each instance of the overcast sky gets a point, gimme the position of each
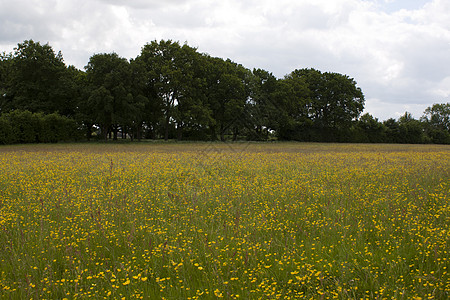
(398, 51)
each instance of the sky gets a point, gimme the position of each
(398, 51)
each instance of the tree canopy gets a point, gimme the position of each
(171, 91)
(35, 78)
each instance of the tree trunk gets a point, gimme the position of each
(139, 132)
(213, 133)
(89, 132)
(166, 129)
(222, 133)
(153, 133)
(235, 134)
(105, 131)
(115, 132)
(179, 131)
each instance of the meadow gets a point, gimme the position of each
(233, 221)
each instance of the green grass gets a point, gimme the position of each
(211, 220)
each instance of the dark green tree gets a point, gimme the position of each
(37, 80)
(411, 131)
(55, 128)
(334, 102)
(436, 120)
(438, 116)
(5, 80)
(227, 90)
(392, 131)
(192, 113)
(20, 126)
(84, 114)
(292, 108)
(171, 82)
(137, 115)
(24, 125)
(109, 79)
(370, 130)
(6, 131)
(263, 105)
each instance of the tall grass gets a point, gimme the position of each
(205, 221)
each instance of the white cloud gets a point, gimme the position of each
(442, 88)
(396, 50)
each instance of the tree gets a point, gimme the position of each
(392, 131)
(373, 131)
(169, 78)
(6, 131)
(436, 120)
(329, 103)
(192, 113)
(262, 104)
(292, 108)
(24, 126)
(137, 115)
(438, 116)
(5, 78)
(344, 100)
(149, 114)
(111, 100)
(410, 130)
(171, 90)
(20, 126)
(38, 80)
(227, 92)
(84, 113)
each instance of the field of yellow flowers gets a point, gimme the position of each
(207, 221)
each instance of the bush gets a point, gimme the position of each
(26, 127)
(55, 128)
(438, 135)
(6, 136)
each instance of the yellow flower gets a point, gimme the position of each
(218, 293)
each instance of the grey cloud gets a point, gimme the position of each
(142, 4)
(23, 20)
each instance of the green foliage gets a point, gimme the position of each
(24, 126)
(291, 101)
(438, 116)
(54, 128)
(411, 130)
(263, 106)
(371, 130)
(392, 131)
(227, 94)
(317, 106)
(6, 134)
(37, 80)
(109, 78)
(172, 91)
(27, 127)
(174, 78)
(5, 70)
(436, 120)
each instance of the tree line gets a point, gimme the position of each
(171, 91)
